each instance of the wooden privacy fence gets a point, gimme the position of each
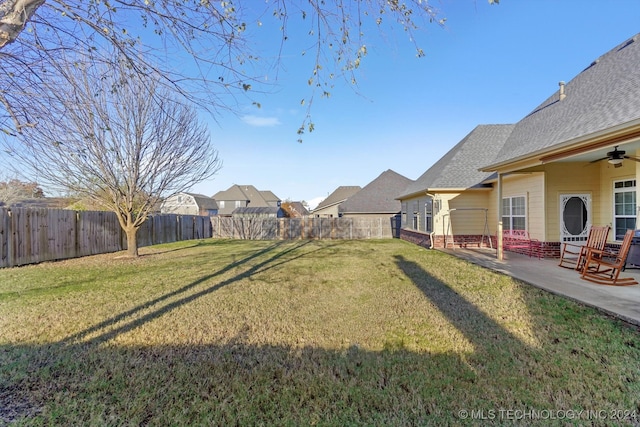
(302, 228)
(29, 235)
(32, 235)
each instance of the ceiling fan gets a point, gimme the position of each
(615, 157)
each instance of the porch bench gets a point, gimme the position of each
(518, 241)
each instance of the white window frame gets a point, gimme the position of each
(621, 186)
(403, 221)
(508, 217)
(428, 215)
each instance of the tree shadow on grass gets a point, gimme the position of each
(485, 334)
(231, 384)
(107, 329)
(84, 380)
(148, 251)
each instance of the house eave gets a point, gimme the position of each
(443, 190)
(607, 138)
(319, 208)
(370, 212)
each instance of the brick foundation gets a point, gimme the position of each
(416, 237)
(540, 249)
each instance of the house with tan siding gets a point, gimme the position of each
(450, 203)
(569, 164)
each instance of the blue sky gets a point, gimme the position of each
(489, 65)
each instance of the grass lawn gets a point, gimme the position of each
(303, 333)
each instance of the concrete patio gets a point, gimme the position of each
(620, 301)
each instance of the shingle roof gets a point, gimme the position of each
(458, 169)
(379, 196)
(604, 95)
(339, 195)
(247, 192)
(269, 196)
(204, 202)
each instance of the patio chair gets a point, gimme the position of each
(604, 267)
(573, 255)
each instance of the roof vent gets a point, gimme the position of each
(628, 42)
(562, 94)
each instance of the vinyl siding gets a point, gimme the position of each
(609, 175)
(531, 186)
(185, 206)
(570, 178)
(456, 217)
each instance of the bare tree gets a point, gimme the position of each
(14, 190)
(116, 137)
(202, 46)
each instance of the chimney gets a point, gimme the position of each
(562, 94)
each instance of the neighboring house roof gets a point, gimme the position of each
(458, 169)
(604, 95)
(339, 195)
(248, 193)
(269, 196)
(204, 202)
(379, 196)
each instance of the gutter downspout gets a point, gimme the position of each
(433, 232)
(499, 250)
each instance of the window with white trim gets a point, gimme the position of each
(404, 214)
(514, 213)
(428, 215)
(624, 207)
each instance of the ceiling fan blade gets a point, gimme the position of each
(598, 160)
(635, 159)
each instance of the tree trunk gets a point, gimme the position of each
(132, 241)
(16, 15)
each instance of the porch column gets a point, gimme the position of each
(499, 227)
(637, 177)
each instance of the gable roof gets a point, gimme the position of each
(458, 169)
(379, 195)
(604, 95)
(339, 195)
(247, 193)
(269, 196)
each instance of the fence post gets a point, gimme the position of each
(9, 239)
